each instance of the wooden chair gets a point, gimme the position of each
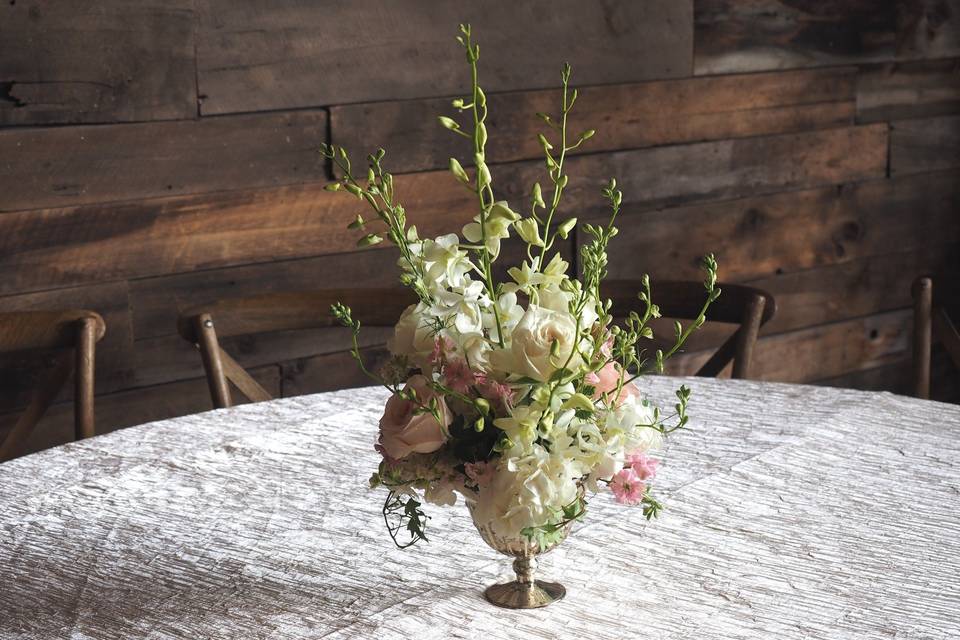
(746, 306)
(205, 324)
(932, 296)
(73, 335)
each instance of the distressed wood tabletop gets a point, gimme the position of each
(791, 512)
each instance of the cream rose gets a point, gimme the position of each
(412, 336)
(531, 341)
(403, 431)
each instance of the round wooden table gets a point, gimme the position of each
(791, 512)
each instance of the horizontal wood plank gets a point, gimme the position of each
(760, 236)
(64, 166)
(255, 55)
(59, 247)
(734, 37)
(924, 144)
(629, 116)
(898, 378)
(898, 91)
(827, 350)
(105, 61)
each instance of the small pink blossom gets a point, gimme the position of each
(606, 380)
(627, 487)
(501, 395)
(643, 465)
(458, 375)
(479, 472)
(442, 346)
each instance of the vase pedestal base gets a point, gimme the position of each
(524, 595)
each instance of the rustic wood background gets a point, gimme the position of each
(156, 155)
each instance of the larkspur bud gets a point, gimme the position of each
(448, 123)
(333, 186)
(483, 405)
(544, 142)
(564, 230)
(457, 170)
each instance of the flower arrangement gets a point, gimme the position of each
(517, 395)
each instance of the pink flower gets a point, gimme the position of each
(644, 466)
(459, 376)
(606, 380)
(501, 395)
(441, 347)
(404, 431)
(627, 487)
(479, 472)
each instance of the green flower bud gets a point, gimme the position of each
(369, 240)
(529, 231)
(479, 424)
(483, 173)
(586, 135)
(564, 230)
(333, 186)
(482, 134)
(482, 405)
(457, 170)
(536, 197)
(358, 223)
(544, 142)
(457, 103)
(448, 123)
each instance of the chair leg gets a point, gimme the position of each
(922, 336)
(212, 363)
(747, 337)
(84, 425)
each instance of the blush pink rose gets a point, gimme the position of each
(605, 381)
(403, 431)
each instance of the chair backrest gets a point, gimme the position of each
(748, 307)
(73, 334)
(934, 297)
(203, 325)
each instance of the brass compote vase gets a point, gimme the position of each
(525, 592)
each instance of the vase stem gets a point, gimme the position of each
(525, 567)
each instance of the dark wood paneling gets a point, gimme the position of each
(825, 350)
(898, 378)
(171, 235)
(73, 165)
(924, 144)
(104, 61)
(624, 116)
(730, 168)
(134, 406)
(732, 36)
(928, 29)
(256, 55)
(330, 372)
(908, 90)
(60, 247)
(851, 289)
(759, 236)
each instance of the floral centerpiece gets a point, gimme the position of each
(516, 395)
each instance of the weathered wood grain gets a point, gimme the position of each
(107, 61)
(759, 236)
(55, 167)
(898, 378)
(59, 247)
(734, 37)
(131, 407)
(627, 116)
(898, 91)
(924, 144)
(928, 29)
(827, 350)
(330, 372)
(255, 55)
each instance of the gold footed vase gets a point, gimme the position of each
(526, 592)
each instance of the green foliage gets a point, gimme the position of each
(402, 513)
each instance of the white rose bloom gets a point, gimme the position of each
(556, 299)
(526, 492)
(413, 335)
(476, 349)
(530, 344)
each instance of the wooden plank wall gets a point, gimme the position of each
(154, 155)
